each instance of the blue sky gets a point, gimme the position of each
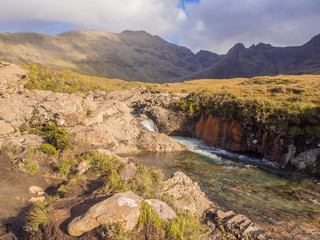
(214, 25)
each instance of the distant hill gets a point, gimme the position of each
(139, 56)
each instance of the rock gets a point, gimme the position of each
(8, 236)
(171, 122)
(186, 194)
(5, 128)
(67, 107)
(143, 116)
(89, 104)
(155, 142)
(36, 199)
(12, 78)
(82, 168)
(25, 141)
(164, 212)
(117, 129)
(123, 208)
(223, 215)
(128, 171)
(238, 225)
(35, 189)
(16, 110)
(308, 160)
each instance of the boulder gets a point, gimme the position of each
(164, 211)
(186, 194)
(171, 122)
(123, 208)
(157, 142)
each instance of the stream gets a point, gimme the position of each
(283, 202)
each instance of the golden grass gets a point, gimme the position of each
(301, 90)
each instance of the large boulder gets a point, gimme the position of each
(186, 194)
(123, 208)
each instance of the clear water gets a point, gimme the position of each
(285, 203)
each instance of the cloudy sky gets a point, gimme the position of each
(214, 25)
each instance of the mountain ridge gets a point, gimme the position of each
(140, 56)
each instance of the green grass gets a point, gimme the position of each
(64, 80)
(38, 215)
(184, 227)
(145, 182)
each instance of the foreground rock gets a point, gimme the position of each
(186, 194)
(122, 208)
(162, 209)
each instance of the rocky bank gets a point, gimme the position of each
(301, 154)
(80, 178)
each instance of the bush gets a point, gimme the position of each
(48, 149)
(58, 137)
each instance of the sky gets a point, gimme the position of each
(214, 25)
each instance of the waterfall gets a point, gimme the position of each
(149, 124)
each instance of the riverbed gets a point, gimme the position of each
(284, 203)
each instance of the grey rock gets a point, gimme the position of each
(123, 208)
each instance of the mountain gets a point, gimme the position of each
(264, 59)
(139, 56)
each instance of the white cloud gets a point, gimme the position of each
(227, 22)
(215, 25)
(155, 16)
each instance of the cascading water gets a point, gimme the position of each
(149, 125)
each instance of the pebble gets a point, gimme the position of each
(36, 199)
(35, 189)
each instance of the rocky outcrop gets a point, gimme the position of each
(115, 128)
(186, 194)
(12, 78)
(171, 123)
(238, 225)
(278, 147)
(104, 120)
(123, 208)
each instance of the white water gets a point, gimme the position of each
(219, 156)
(149, 125)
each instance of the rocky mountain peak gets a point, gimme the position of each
(140, 56)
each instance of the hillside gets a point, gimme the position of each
(139, 56)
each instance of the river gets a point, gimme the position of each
(284, 203)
